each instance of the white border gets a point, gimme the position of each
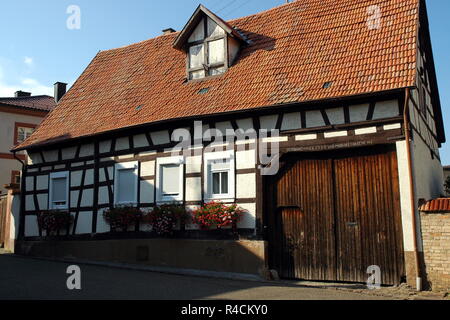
(169, 160)
(210, 156)
(121, 166)
(56, 175)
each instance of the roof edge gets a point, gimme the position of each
(44, 144)
(192, 23)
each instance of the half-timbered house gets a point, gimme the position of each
(343, 98)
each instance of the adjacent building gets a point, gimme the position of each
(343, 121)
(19, 117)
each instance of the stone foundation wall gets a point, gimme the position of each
(436, 243)
(247, 257)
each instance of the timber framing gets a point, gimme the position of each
(92, 161)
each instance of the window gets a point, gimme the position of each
(59, 191)
(15, 177)
(23, 131)
(207, 52)
(169, 179)
(125, 183)
(219, 176)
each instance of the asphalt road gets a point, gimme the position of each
(24, 278)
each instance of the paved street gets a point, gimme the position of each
(24, 278)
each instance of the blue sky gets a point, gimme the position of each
(37, 49)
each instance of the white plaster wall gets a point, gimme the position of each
(405, 200)
(105, 146)
(268, 122)
(103, 195)
(147, 168)
(29, 203)
(428, 172)
(102, 176)
(386, 109)
(89, 178)
(336, 115)
(74, 198)
(87, 150)
(140, 141)
(87, 198)
(122, 144)
(246, 159)
(359, 112)
(84, 223)
(147, 194)
(102, 226)
(194, 189)
(224, 126)
(245, 124)
(314, 119)
(51, 155)
(248, 220)
(246, 186)
(160, 137)
(291, 121)
(34, 158)
(42, 201)
(68, 153)
(31, 226)
(29, 183)
(193, 164)
(75, 178)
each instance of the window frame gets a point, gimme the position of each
(208, 176)
(14, 175)
(126, 166)
(58, 175)
(206, 65)
(17, 126)
(160, 162)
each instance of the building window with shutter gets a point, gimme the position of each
(59, 191)
(126, 183)
(219, 176)
(169, 179)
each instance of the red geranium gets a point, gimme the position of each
(217, 215)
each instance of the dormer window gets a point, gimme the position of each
(210, 43)
(206, 50)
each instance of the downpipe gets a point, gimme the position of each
(411, 188)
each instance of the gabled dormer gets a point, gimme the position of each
(210, 43)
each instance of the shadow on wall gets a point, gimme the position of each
(245, 257)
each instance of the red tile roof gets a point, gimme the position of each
(44, 103)
(295, 48)
(436, 206)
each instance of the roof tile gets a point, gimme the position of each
(295, 48)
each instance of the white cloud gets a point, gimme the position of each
(28, 61)
(13, 83)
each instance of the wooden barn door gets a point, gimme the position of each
(336, 216)
(305, 217)
(367, 208)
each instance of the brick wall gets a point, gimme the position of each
(436, 242)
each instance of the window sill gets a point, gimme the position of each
(224, 200)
